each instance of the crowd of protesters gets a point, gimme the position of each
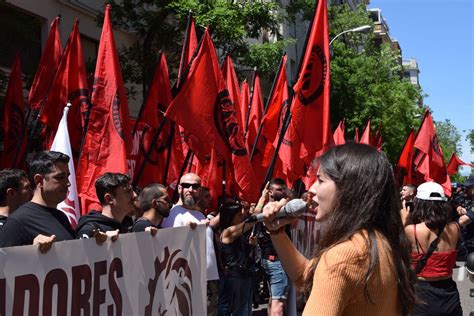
(380, 251)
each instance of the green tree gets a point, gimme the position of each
(470, 139)
(448, 138)
(366, 82)
(160, 25)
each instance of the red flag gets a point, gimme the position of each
(255, 116)
(365, 139)
(356, 135)
(204, 108)
(13, 119)
(47, 67)
(339, 138)
(432, 166)
(70, 84)
(108, 137)
(159, 95)
(376, 141)
(189, 46)
(276, 104)
(244, 103)
(232, 84)
(405, 161)
(310, 111)
(454, 164)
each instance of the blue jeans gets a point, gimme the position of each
(277, 278)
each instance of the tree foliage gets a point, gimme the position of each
(234, 25)
(366, 82)
(448, 138)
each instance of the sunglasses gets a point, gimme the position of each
(194, 186)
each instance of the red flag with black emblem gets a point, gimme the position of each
(339, 137)
(204, 108)
(432, 166)
(310, 111)
(47, 67)
(70, 84)
(13, 119)
(108, 140)
(454, 164)
(405, 161)
(365, 139)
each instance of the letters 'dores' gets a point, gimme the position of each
(81, 278)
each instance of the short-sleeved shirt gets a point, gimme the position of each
(142, 223)
(32, 219)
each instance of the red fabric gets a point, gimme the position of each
(376, 141)
(108, 139)
(70, 84)
(189, 47)
(278, 98)
(13, 119)
(454, 164)
(365, 139)
(356, 135)
(47, 67)
(159, 95)
(232, 84)
(405, 161)
(339, 138)
(432, 166)
(244, 103)
(311, 122)
(439, 264)
(255, 116)
(204, 108)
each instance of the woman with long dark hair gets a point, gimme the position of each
(362, 264)
(434, 236)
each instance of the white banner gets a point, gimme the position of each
(136, 275)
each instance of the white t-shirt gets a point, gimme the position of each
(180, 216)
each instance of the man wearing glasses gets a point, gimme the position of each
(186, 212)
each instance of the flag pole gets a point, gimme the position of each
(181, 172)
(265, 110)
(168, 154)
(277, 149)
(185, 47)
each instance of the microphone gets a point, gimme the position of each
(294, 208)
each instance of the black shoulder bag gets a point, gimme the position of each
(422, 262)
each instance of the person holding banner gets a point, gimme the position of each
(38, 222)
(15, 190)
(117, 198)
(156, 205)
(362, 264)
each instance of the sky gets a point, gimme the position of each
(439, 35)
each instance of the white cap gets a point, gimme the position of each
(430, 191)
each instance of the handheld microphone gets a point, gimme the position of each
(294, 208)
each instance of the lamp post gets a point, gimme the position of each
(363, 28)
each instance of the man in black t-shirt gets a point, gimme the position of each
(15, 190)
(156, 205)
(117, 199)
(38, 221)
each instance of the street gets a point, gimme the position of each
(463, 283)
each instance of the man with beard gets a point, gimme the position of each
(156, 204)
(39, 222)
(117, 198)
(186, 212)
